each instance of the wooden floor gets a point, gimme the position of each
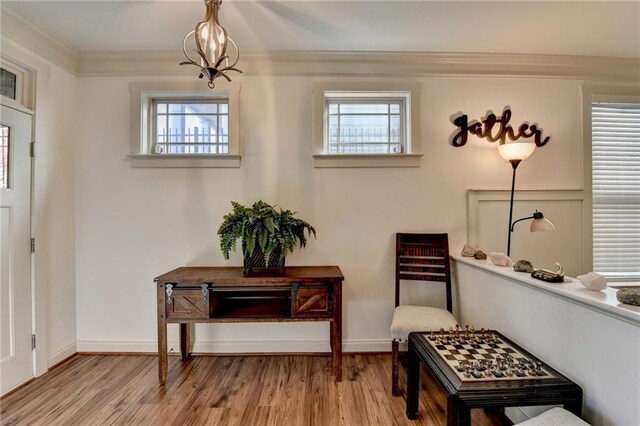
(222, 390)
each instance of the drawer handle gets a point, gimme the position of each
(205, 293)
(169, 292)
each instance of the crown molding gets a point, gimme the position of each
(322, 63)
(375, 64)
(21, 31)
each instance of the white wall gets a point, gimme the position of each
(592, 347)
(135, 224)
(53, 206)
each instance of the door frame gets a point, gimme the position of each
(25, 102)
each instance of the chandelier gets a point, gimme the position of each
(211, 43)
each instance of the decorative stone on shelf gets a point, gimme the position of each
(501, 259)
(480, 255)
(523, 266)
(469, 250)
(593, 281)
(630, 296)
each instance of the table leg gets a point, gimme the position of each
(336, 334)
(163, 362)
(413, 383)
(574, 407)
(458, 413)
(185, 340)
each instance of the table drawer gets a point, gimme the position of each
(187, 303)
(311, 301)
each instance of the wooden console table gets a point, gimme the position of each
(223, 294)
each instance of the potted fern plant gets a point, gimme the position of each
(267, 234)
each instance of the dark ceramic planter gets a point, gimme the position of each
(254, 264)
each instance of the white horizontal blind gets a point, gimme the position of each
(616, 189)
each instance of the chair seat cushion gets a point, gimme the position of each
(407, 318)
(555, 417)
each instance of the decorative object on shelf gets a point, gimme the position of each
(469, 250)
(501, 259)
(525, 131)
(480, 255)
(550, 276)
(523, 266)
(515, 153)
(593, 281)
(630, 296)
(211, 46)
(267, 235)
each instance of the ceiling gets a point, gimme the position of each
(605, 28)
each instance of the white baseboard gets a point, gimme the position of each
(62, 354)
(244, 346)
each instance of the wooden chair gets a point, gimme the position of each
(419, 257)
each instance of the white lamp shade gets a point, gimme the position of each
(541, 224)
(516, 150)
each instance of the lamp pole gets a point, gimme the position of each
(514, 164)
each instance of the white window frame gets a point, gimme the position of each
(143, 95)
(407, 91)
(603, 93)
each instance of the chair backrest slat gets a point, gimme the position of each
(423, 257)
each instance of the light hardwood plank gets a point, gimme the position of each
(223, 390)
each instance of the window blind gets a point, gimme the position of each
(616, 189)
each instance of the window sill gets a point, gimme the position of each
(366, 160)
(184, 161)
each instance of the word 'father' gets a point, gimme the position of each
(484, 129)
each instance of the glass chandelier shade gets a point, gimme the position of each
(211, 46)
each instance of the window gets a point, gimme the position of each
(615, 151)
(180, 124)
(8, 82)
(366, 124)
(191, 127)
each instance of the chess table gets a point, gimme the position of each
(484, 369)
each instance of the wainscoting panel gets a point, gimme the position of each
(488, 223)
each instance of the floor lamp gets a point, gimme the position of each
(515, 153)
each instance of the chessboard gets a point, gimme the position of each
(483, 356)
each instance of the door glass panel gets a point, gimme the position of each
(7, 83)
(4, 157)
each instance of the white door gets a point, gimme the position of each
(16, 357)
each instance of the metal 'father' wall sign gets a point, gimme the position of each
(485, 129)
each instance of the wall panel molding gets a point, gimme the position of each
(563, 200)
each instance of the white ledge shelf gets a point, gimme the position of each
(571, 290)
